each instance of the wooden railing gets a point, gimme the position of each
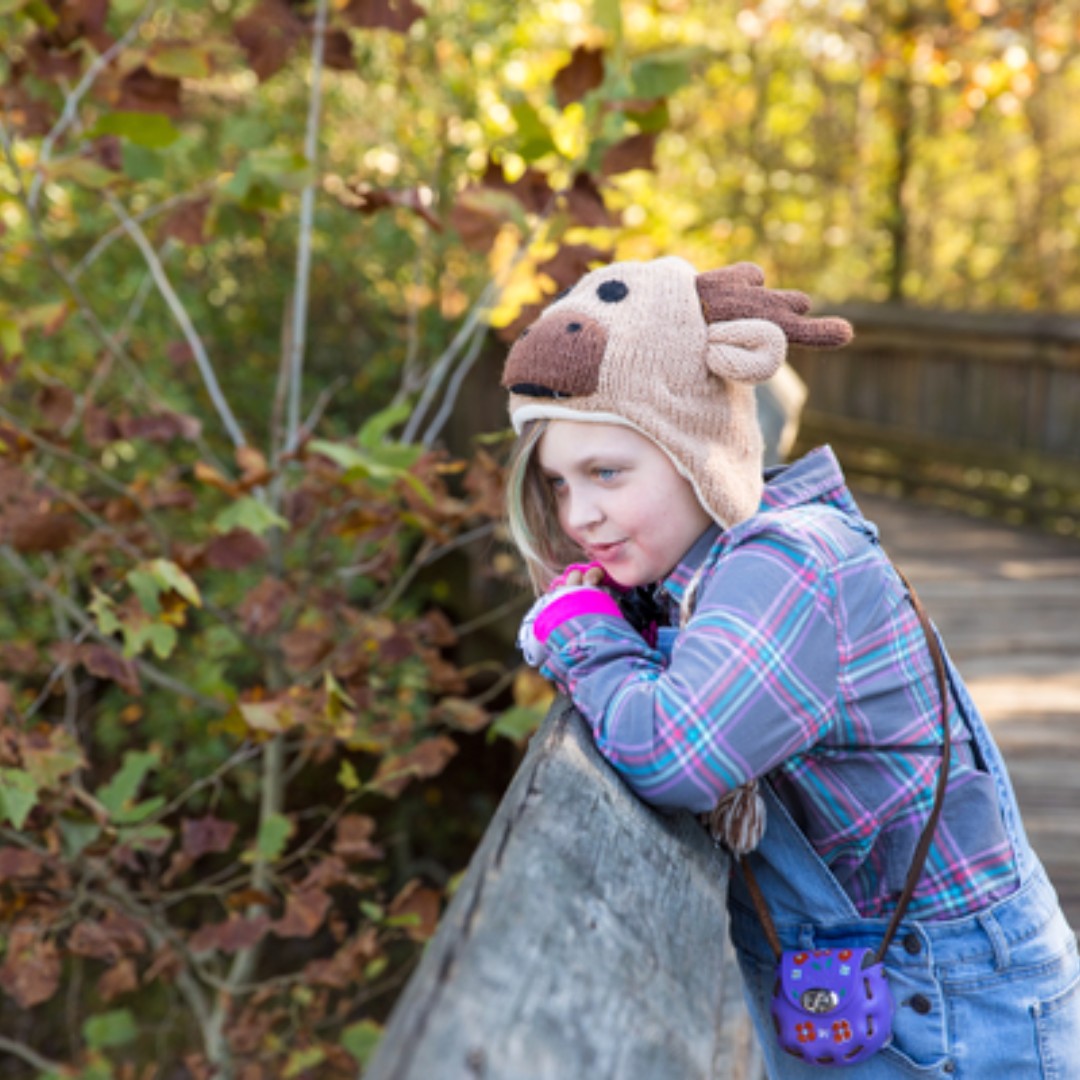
(588, 939)
(985, 406)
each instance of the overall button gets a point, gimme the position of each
(921, 1004)
(912, 944)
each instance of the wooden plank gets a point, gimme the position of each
(588, 938)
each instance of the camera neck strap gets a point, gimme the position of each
(922, 849)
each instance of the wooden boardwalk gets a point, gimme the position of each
(1007, 601)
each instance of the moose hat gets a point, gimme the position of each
(675, 355)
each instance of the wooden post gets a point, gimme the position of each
(588, 938)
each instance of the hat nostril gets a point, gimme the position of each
(573, 328)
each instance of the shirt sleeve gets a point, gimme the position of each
(752, 679)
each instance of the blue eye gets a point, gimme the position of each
(607, 474)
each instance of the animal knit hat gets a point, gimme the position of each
(675, 355)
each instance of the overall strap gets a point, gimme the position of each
(922, 849)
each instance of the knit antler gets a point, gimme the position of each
(738, 292)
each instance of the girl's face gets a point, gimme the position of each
(620, 499)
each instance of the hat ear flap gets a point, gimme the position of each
(745, 350)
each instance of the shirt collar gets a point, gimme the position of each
(814, 478)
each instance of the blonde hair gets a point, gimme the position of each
(531, 514)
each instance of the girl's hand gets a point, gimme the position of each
(576, 575)
(575, 592)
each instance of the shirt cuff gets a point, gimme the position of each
(571, 606)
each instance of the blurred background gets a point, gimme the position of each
(259, 265)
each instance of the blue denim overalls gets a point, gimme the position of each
(994, 994)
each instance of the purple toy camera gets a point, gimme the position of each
(832, 1006)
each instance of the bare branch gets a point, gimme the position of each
(72, 101)
(72, 288)
(114, 234)
(307, 218)
(454, 387)
(32, 1057)
(183, 319)
(74, 612)
(445, 362)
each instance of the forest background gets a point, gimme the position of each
(258, 265)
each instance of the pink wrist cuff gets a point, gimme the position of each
(570, 606)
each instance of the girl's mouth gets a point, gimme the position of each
(606, 551)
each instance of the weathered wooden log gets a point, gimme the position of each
(588, 939)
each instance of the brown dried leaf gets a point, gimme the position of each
(572, 262)
(236, 933)
(101, 661)
(338, 51)
(261, 609)
(187, 222)
(56, 404)
(207, 474)
(110, 939)
(122, 978)
(304, 648)
(143, 91)
(207, 835)
(532, 189)
(586, 204)
(585, 72)
(44, 531)
(477, 221)
(18, 657)
(425, 760)
(463, 715)
(30, 972)
(636, 152)
(268, 34)
(396, 15)
(420, 901)
(17, 862)
(235, 549)
(304, 914)
(365, 199)
(353, 838)
(160, 427)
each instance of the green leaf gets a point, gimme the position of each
(11, 339)
(536, 140)
(84, 172)
(9, 7)
(180, 62)
(77, 834)
(662, 73)
(117, 795)
(142, 163)
(152, 130)
(137, 836)
(376, 428)
(104, 612)
(18, 796)
(249, 513)
(116, 1028)
(347, 777)
(608, 16)
(42, 14)
(171, 577)
(361, 1039)
(274, 833)
(516, 724)
(132, 815)
(301, 1060)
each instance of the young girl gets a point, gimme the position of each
(744, 648)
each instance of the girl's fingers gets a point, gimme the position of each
(594, 576)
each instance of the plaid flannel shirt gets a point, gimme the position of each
(802, 661)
